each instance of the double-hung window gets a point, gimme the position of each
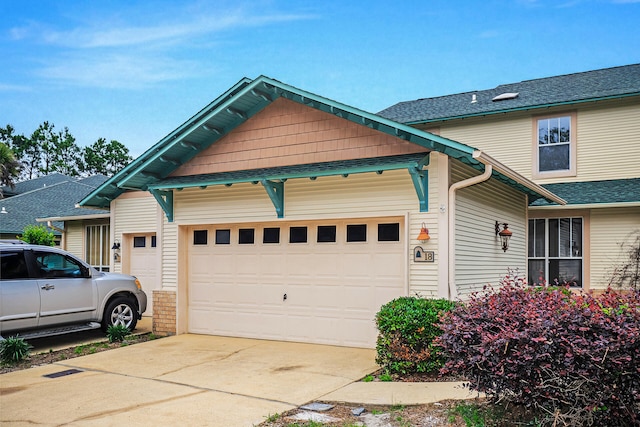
(555, 146)
(555, 251)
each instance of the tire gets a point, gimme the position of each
(120, 311)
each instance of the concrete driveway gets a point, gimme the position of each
(181, 380)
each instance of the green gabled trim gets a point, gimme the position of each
(313, 170)
(275, 190)
(165, 200)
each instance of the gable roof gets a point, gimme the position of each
(242, 101)
(616, 82)
(57, 199)
(605, 193)
(34, 184)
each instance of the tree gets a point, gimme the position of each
(9, 167)
(38, 235)
(105, 158)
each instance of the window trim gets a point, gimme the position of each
(586, 241)
(535, 173)
(102, 232)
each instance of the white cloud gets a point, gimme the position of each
(117, 70)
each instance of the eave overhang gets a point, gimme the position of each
(152, 170)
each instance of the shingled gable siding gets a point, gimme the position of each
(479, 257)
(287, 133)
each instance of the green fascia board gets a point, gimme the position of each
(110, 190)
(314, 170)
(258, 93)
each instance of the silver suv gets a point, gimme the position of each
(46, 291)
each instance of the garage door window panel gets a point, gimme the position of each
(200, 237)
(246, 236)
(326, 234)
(298, 235)
(389, 232)
(271, 235)
(223, 237)
(357, 233)
(139, 242)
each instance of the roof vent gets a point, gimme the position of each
(505, 96)
(474, 98)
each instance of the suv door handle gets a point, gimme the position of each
(47, 287)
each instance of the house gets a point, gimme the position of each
(276, 213)
(576, 135)
(51, 200)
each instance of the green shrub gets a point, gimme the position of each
(38, 235)
(117, 333)
(407, 328)
(14, 349)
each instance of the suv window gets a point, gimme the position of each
(54, 265)
(13, 265)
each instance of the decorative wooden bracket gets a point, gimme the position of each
(165, 200)
(275, 190)
(420, 180)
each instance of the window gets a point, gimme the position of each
(298, 235)
(223, 237)
(139, 242)
(555, 146)
(97, 249)
(271, 235)
(13, 266)
(246, 236)
(555, 251)
(326, 234)
(53, 266)
(200, 237)
(153, 241)
(389, 232)
(357, 233)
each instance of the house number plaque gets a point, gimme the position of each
(420, 255)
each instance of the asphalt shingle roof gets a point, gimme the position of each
(58, 200)
(557, 90)
(595, 192)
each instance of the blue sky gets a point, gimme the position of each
(135, 70)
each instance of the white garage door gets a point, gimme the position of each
(318, 282)
(144, 265)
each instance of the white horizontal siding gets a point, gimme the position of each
(612, 231)
(479, 259)
(75, 238)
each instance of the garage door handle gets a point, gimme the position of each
(47, 287)
(284, 297)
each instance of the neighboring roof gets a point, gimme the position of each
(245, 99)
(574, 88)
(34, 184)
(53, 200)
(593, 193)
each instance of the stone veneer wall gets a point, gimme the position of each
(164, 313)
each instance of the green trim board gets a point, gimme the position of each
(165, 200)
(245, 99)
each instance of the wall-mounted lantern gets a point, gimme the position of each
(505, 234)
(116, 250)
(424, 234)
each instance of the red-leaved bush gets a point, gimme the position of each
(573, 358)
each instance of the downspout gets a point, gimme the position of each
(488, 169)
(60, 230)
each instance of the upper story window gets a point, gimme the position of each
(555, 146)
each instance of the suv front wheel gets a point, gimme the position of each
(120, 311)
